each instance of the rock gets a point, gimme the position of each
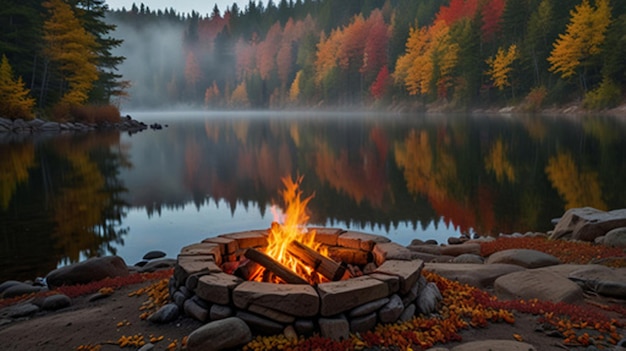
(304, 327)
(368, 307)
(7, 284)
(341, 296)
(390, 251)
(87, 271)
(456, 250)
(426, 248)
(359, 240)
(20, 310)
(290, 333)
(392, 310)
(615, 237)
(479, 275)
(539, 284)
(151, 255)
(260, 324)
(272, 314)
(158, 264)
(587, 223)
(220, 312)
(335, 328)
(165, 314)
(408, 313)
(363, 323)
(196, 311)
(408, 272)
(601, 280)
(217, 287)
(147, 347)
(468, 258)
(295, 299)
(482, 345)
(179, 299)
(19, 289)
(523, 257)
(224, 334)
(428, 299)
(56, 302)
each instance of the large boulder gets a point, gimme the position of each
(479, 275)
(228, 333)
(523, 257)
(87, 271)
(588, 223)
(541, 284)
(616, 237)
(601, 280)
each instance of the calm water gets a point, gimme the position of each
(64, 198)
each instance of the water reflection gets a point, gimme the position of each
(68, 197)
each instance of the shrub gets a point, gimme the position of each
(607, 95)
(95, 114)
(535, 99)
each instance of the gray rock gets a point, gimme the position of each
(615, 237)
(539, 284)
(428, 299)
(196, 311)
(179, 299)
(408, 313)
(478, 275)
(468, 258)
(87, 271)
(392, 310)
(260, 324)
(19, 289)
(151, 255)
(7, 284)
(587, 223)
(336, 328)
(165, 314)
(56, 302)
(363, 323)
(524, 258)
(21, 310)
(601, 280)
(495, 345)
(159, 264)
(229, 333)
(217, 312)
(304, 327)
(368, 307)
(147, 347)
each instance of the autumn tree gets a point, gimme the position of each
(15, 99)
(376, 43)
(491, 12)
(193, 74)
(70, 47)
(294, 90)
(380, 85)
(582, 39)
(500, 66)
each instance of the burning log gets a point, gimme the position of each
(323, 265)
(246, 269)
(274, 266)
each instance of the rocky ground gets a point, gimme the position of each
(573, 296)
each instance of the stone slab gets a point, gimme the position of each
(602, 280)
(260, 324)
(475, 274)
(523, 257)
(390, 251)
(537, 284)
(587, 223)
(456, 250)
(392, 281)
(359, 240)
(203, 249)
(368, 308)
(408, 272)
(482, 345)
(187, 265)
(217, 287)
(227, 246)
(272, 314)
(341, 296)
(299, 300)
(253, 238)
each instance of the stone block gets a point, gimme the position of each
(299, 300)
(187, 265)
(217, 287)
(392, 281)
(408, 272)
(392, 310)
(341, 296)
(362, 241)
(390, 251)
(408, 313)
(335, 328)
(253, 238)
(478, 275)
(203, 249)
(304, 327)
(227, 245)
(272, 314)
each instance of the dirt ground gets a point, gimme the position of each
(91, 323)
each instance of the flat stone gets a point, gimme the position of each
(19, 289)
(429, 249)
(587, 223)
(392, 310)
(428, 299)
(482, 345)
(468, 258)
(456, 250)
(151, 255)
(478, 275)
(228, 246)
(602, 280)
(158, 264)
(359, 240)
(363, 323)
(408, 313)
(56, 302)
(426, 257)
(167, 313)
(260, 324)
(340, 296)
(253, 238)
(87, 271)
(217, 287)
(194, 310)
(335, 328)
(188, 265)
(20, 310)
(392, 281)
(203, 249)
(326, 236)
(299, 300)
(408, 272)
(368, 308)
(523, 257)
(217, 312)
(228, 333)
(537, 284)
(272, 314)
(390, 251)
(349, 255)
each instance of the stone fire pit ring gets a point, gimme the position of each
(390, 289)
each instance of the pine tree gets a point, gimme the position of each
(15, 101)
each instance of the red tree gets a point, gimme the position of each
(458, 9)
(375, 51)
(379, 86)
(492, 13)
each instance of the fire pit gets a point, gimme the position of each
(324, 280)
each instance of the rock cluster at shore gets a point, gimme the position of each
(37, 126)
(508, 274)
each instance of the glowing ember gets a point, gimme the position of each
(293, 227)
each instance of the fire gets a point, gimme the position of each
(291, 226)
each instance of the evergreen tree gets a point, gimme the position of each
(15, 101)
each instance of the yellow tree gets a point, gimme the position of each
(15, 101)
(72, 49)
(294, 91)
(582, 39)
(500, 66)
(577, 187)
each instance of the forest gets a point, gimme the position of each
(59, 56)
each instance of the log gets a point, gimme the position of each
(274, 266)
(321, 264)
(247, 269)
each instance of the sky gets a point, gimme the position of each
(184, 6)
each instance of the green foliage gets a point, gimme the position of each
(607, 95)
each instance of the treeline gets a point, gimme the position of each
(457, 53)
(57, 59)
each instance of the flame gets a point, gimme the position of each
(290, 226)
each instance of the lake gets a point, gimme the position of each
(67, 197)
